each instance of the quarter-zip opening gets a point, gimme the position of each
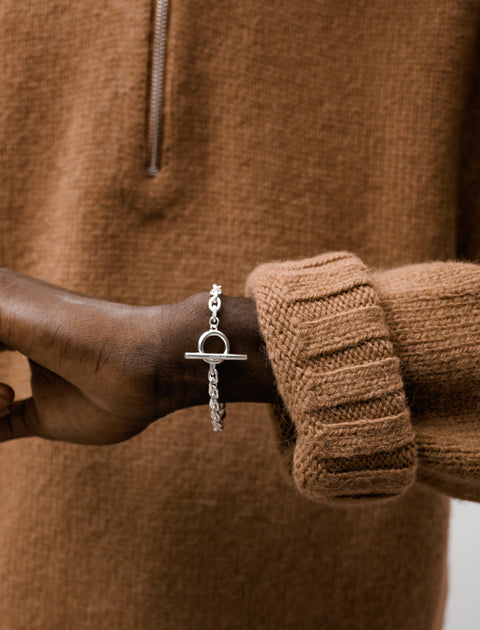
(157, 81)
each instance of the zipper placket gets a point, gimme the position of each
(157, 79)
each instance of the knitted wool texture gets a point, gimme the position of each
(290, 129)
(329, 346)
(433, 313)
(341, 339)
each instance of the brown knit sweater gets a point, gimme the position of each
(336, 138)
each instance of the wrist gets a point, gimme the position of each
(240, 381)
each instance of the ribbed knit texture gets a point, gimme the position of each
(433, 313)
(345, 431)
(329, 346)
(291, 129)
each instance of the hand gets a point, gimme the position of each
(102, 371)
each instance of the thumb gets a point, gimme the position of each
(12, 415)
(7, 396)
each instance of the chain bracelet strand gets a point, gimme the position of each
(217, 409)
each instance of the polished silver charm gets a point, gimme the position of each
(217, 409)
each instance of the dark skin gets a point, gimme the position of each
(102, 371)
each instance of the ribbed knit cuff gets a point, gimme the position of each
(345, 430)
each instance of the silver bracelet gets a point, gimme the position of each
(217, 409)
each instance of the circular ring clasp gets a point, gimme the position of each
(213, 333)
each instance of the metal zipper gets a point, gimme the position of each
(157, 78)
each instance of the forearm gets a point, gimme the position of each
(433, 312)
(343, 341)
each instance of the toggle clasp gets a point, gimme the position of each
(217, 409)
(214, 358)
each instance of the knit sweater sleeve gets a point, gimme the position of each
(378, 375)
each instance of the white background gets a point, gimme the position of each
(463, 604)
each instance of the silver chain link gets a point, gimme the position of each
(217, 409)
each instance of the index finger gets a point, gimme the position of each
(55, 327)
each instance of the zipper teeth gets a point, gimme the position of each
(157, 77)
